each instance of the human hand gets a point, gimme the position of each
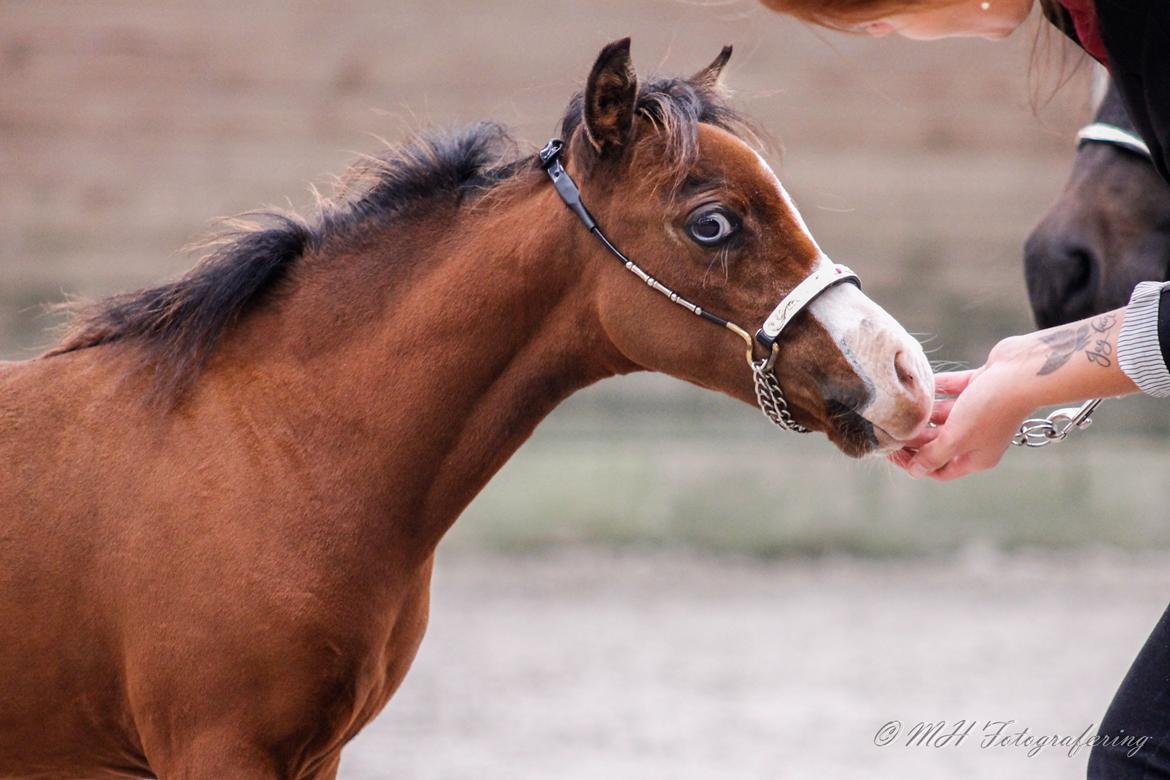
(975, 426)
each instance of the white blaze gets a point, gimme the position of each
(866, 334)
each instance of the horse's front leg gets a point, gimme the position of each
(279, 704)
(219, 755)
(328, 770)
(215, 756)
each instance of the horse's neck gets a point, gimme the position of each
(449, 369)
(1112, 109)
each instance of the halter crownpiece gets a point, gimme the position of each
(769, 394)
(1101, 132)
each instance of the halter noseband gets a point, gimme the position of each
(769, 395)
(1104, 133)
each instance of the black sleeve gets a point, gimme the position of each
(1136, 34)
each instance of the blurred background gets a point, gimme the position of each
(659, 583)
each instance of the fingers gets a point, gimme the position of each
(958, 466)
(934, 452)
(938, 416)
(951, 449)
(900, 458)
(921, 440)
(932, 457)
(953, 382)
(961, 466)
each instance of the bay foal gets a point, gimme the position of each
(1109, 228)
(222, 496)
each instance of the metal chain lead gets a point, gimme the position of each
(1042, 431)
(770, 397)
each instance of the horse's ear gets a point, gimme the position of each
(610, 95)
(708, 77)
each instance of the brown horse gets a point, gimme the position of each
(222, 496)
(1108, 230)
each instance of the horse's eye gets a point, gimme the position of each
(711, 227)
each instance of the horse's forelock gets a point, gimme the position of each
(673, 109)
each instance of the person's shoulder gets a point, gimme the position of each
(1129, 11)
(1136, 35)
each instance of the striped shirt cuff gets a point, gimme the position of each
(1138, 351)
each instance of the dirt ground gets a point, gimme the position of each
(585, 664)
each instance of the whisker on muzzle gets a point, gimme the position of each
(948, 365)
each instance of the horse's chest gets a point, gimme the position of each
(374, 677)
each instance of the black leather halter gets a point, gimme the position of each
(768, 392)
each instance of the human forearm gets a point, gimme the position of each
(1064, 364)
(1116, 353)
(1060, 365)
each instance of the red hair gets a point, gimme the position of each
(847, 14)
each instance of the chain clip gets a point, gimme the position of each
(1042, 431)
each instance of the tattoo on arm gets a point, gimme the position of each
(1101, 351)
(1061, 346)
(1093, 338)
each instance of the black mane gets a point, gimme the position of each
(178, 324)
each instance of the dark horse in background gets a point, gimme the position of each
(1108, 230)
(221, 496)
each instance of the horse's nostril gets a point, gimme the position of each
(1080, 270)
(904, 370)
(1062, 277)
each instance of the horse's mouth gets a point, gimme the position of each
(853, 434)
(858, 436)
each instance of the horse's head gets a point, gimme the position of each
(1108, 230)
(669, 172)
